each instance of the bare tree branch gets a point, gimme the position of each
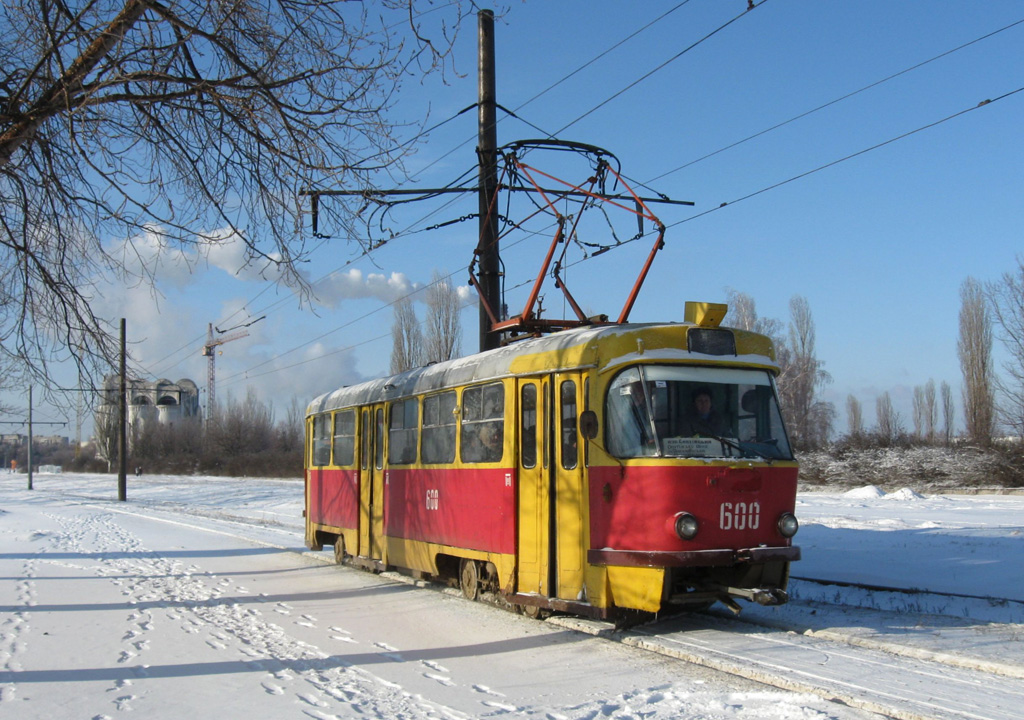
(190, 122)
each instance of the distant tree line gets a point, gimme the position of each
(993, 403)
(242, 440)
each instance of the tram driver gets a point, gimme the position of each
(703, 419)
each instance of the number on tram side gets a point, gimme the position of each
(433, 499)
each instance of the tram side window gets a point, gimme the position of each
(322, 440)
(528, 419)
(483, 423)
(378, 439)
(364, 454)
(402, 434)
(345, 437)
(570, 450)
(439, 428)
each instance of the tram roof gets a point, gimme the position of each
(575, 348)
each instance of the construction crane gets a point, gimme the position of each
(211, 368)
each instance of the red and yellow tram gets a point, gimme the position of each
(594, 470)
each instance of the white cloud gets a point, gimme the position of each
(352, 284)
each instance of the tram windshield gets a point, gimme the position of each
(681, 411)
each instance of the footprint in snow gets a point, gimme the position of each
(501, 706)
(487, 691)
(435, 666)
(272, 689)
(390, 652)
(441, 679)
(312, 700)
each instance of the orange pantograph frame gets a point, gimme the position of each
(526, 322)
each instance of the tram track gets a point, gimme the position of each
(909, 591)
(884, 678)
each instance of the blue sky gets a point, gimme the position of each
(879, 244)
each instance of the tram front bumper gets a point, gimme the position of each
(693, 558)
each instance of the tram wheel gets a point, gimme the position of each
(534, 612)
(339, 550)
(469, 579)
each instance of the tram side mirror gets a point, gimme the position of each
(588, 424)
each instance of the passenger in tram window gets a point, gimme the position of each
(481, 442)
(490, 437)
(703, 419)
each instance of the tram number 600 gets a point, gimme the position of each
(740, 516)
(433, 499)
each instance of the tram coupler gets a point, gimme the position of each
(761, 596)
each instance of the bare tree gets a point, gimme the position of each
(800, 378)
(1006, 300)
(443, 336)
(948, 412)
(931, 411)
(105, 429)
(889, 425)
(974, 348)
(854, 417)
(407, 338)
(186, 124)
(743, 314)
(918, 412)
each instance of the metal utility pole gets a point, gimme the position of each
(29, 457)
(122, 424)
(487, 145)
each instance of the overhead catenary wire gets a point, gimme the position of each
(835, 101)
(660, 67)
(825, 166)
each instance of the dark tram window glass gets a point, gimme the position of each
(483, 423)
(345, 437)
(365, 435)
(378, 439)
(528, 425)
(711, 341)
(403, 433)
(570, 444)
(439, 428)
(322, 440)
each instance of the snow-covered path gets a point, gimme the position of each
(113, 608)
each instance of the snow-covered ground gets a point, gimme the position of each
(197, 596)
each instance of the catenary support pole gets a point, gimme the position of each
(122, 424)
(487, 145)
(29, 458)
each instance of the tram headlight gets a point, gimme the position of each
(788, 525)
(686, 526)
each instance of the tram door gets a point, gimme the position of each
(569, 500)
(534, 472)
(551, 498)
(371, 486)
